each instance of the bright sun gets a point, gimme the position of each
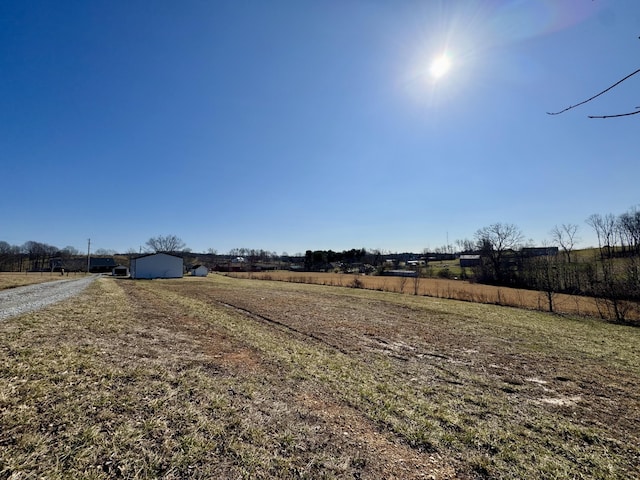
(440, 66)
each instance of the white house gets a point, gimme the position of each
(199, 271)
(157, 265)
(416, 263)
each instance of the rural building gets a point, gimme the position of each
(101, 264)
(467, 261)
(157, 265)
(416, 263)
(539, 251)
(400, 273)
(120, 271)
(199, 271)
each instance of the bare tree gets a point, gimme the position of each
(465, 245)
(545, 275)
(70, 250)
(566, 237)
(11, 257)
(166, 244)
(605, 228)
(595, 221)
(629, 225)
(495, 241)
(614, 282)
(104, 252)
(5, 255)
(38, 253)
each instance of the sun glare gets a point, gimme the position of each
(440, 66)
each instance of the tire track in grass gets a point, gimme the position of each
(467, 418)
(347, 391)
(267, 320)
(368, 387)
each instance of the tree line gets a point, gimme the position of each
(31, 256)
(39, 256)
(610, 273)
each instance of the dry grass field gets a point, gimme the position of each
(235, 378)
(20, 279)
(451, 289)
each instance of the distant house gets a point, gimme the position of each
(467, 261)
(157, 265)
(199, 271)
(416, 263)
(101, 264)
(400, 273)
(539, 251)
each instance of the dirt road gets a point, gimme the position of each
(16, 301)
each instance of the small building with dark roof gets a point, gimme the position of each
(468, 261)
(101, 264)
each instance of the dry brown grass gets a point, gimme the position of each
(225, 378)
(20, 279)
(442, 288)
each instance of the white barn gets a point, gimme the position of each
(199, 271)
(157, 265)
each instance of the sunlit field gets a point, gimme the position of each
(233, 378)
(440, 288)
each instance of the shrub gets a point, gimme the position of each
(444, 273)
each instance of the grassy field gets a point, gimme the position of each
(235, 378)
(442, 288)
(20, 279)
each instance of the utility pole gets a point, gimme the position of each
(88, 255)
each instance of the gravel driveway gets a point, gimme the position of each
(16, 301)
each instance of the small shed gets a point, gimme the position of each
(120, 271)
(157, 265)
(199, 271)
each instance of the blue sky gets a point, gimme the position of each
(295, 125)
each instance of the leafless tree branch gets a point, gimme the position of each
(614, 116)
(596, 96)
